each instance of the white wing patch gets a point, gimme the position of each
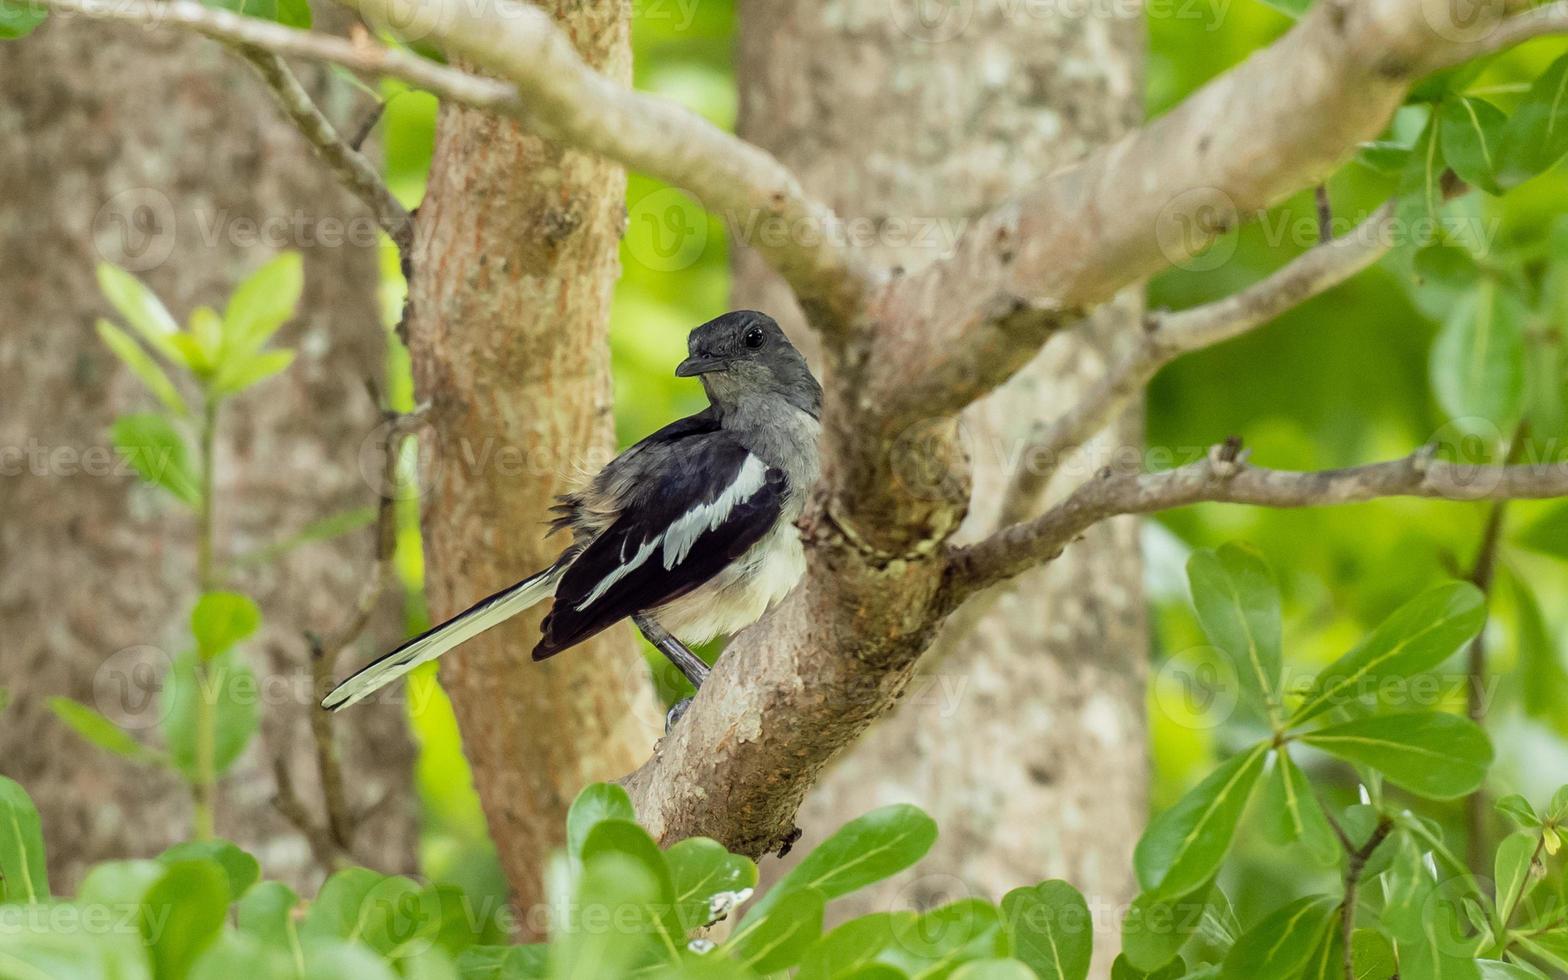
(622, 570)
(680, 536)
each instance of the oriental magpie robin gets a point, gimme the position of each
(690, 532)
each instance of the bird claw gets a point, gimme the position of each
(677, 710)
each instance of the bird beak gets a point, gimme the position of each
(696, 364)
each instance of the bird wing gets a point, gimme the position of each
(702, 502)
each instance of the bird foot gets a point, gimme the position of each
(677, 710)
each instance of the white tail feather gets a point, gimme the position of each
(439, 639)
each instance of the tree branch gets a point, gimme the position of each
(1524, 26)
(350, 167)
(1278, 122)
(1224, 476)
(1169, 335)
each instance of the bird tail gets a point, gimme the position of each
(437, 640)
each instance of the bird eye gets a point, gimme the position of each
(753, 338)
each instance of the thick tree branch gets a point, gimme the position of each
(350, 167)
(1224, 476)
(1280, 121)
(1168, 335)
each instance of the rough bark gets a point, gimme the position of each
(514, 266)
(1035, 724)
(166, 155)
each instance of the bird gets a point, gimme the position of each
(691, 533)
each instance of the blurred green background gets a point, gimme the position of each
(1340, 380)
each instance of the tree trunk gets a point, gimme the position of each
(165, 155)
(514, 268)
(1027, 742)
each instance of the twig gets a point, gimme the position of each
(570, 102)
(1537, 22)
(1355, 863)
(367, 124)
(347, 163)
(328, 852)
(1325, 214)
(1224, 476)
(1168, 335)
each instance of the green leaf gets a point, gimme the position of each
(1290, 8)
(1123, 969)
(222, 619)
(1050, 929)
(236, 954)
(294, 13)
(143, 366)
(1446, 265)
(611, 888)
(852, 945)
(1512, 866)
(1384, 157)
(1372, 955)
(267, 912)
(777, 941)
(1471, 132)
(504, 962)
(229, 686)
(938, 940)
(18, 18)
(597, 801)
(1537, 134)
(24, 878)
(99, 730)
(1543, 678)
(1283, 942)
(1291, 812)
(389, 914)
(1519, 810)
(1430, 753)
(627, 839)
(206, 329)
(1418, 636)
(324, 529)
(708, 880)
(182, 914)
(157, 453)
(1498, 970)
(1154, 930)
(241, 869)
(1557, 809)
(1238, 604)
(140, 308)
(1184, 846)
(1478, 359)
(262, 303)
(237, 375)
(867, 849)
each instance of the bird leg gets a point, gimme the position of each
(689, 664)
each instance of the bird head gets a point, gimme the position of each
(745, 352)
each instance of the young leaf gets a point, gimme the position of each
(1471, 132)
(1050, 929)
(1478, 360)
(222, 619)
(238, 374)
(596, 802)
(157, 453)
(1282, 943)
(1519, 810)
(99, 730)
(182, 914)
(708, 880)
(24, 878)
(260, 305)
(1184, 846)
(867, 849)
(778, 940)
(1238, 605)
(141, 308)
(206, 330)
(1418, 636)
(143, 366)
(1430, 753)
(1291, 812)
(229, 685)
(1537, 134)
(241, 869)
(1512, 865)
